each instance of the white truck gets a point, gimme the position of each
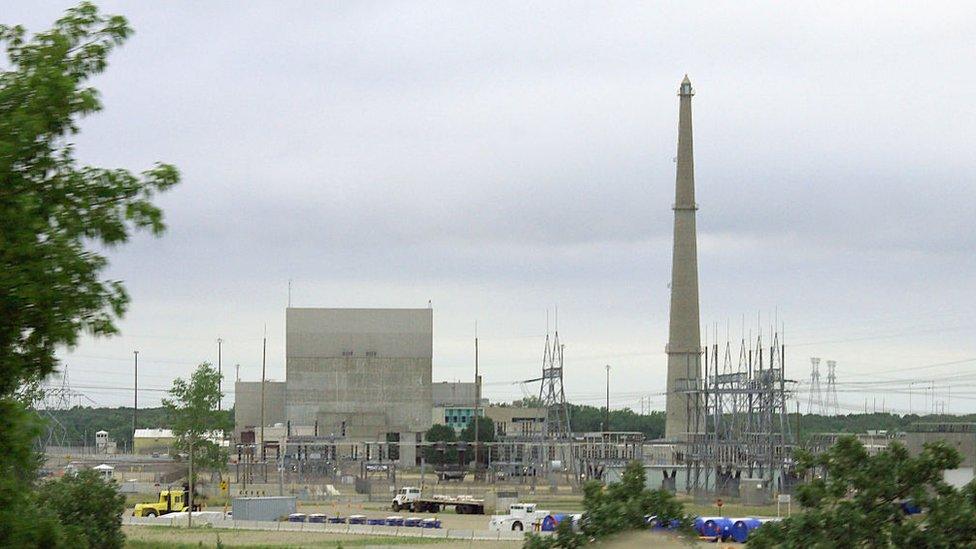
(520, 517)
(405, 497)
(410, 499)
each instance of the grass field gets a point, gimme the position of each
(164, 537)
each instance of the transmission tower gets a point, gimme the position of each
(556, 438)
(831, 398)
(551, 392)
(815, 404)
(56, 398)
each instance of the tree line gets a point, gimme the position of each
(80, 423)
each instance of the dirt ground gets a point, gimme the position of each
(142, 536)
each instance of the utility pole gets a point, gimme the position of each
(219, 373)
(607, 427)
(189, 515)
(477, 401)
(264, 353)
(135, 398)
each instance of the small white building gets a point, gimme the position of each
(106, 471)
(149, 441)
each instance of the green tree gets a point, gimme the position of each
(54, 215)
(486, 433)
(196, 421)
(486, 430)
(89, 508)
(81, 422)
(446, 451)
(855, 501)
(615, 508)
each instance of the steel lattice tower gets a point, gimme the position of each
(551, 392)
(741, 419)
(815, 403)
(831, 405)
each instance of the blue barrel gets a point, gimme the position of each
(699, 524)
(550, 522)
(411, 521)
(909, 507)
(337, 520)
(741, 527)
(296, 517)
(316, 517)
(717, 527)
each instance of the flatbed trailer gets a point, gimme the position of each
(434, 504)
(410, 498)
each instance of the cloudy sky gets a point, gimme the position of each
(500, 160)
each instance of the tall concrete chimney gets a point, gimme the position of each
(684, 340)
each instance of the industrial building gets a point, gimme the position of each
(958, 435)
(455, 394)
(247, 405)
(359, 373)
(516, 421)
(454, 404)
(355, 375)
(150, 441)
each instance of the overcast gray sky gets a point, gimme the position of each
(503, 159)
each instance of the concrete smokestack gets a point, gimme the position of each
(684, 339)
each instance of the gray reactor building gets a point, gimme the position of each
(358, 375)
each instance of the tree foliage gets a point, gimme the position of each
(89, 508)
(81, 422)
(614, 508)
(808, 424)
(486, 430)
(52, 209)
(54, 214)
(441, 454)
(855, 500)
(590, 418)
(194, 418)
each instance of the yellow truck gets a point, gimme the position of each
(170, 501)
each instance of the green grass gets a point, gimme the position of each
(359, 542)
(735, 510)
(230, 540)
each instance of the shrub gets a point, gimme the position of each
(89, 509)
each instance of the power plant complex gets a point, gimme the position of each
(358, 388)
(358, 404)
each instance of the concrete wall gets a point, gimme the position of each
(964, 442)
(450, 394)
(512, 421)
(247, 404)
(367, 368)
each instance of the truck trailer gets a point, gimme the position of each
(409, 498)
